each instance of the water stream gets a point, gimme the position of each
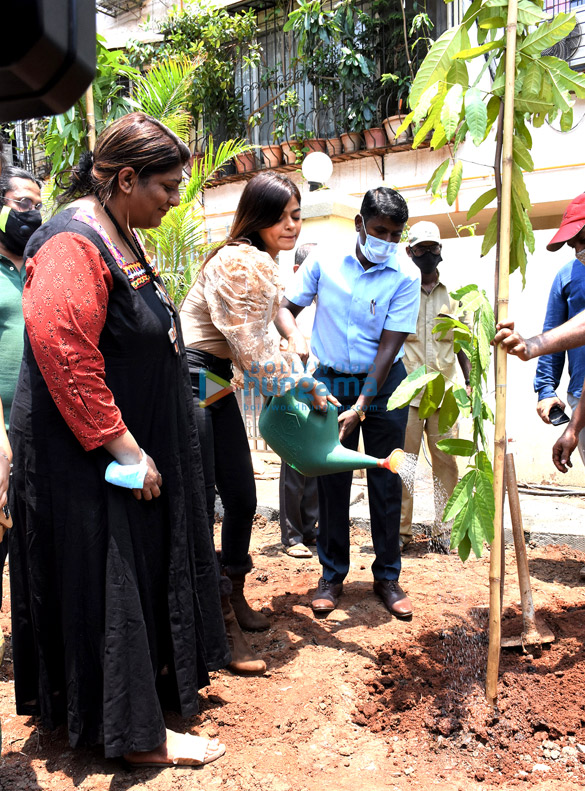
(439, 532)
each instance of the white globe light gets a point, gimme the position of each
(317, 167)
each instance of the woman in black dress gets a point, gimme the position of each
(115, 608)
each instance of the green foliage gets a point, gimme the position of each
(446, 104)
(66, 135)
(163, 92)
(178, 244)
(213, 39)
(471, 506)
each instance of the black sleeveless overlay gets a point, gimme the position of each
(115, 604)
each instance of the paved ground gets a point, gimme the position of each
(548, 518)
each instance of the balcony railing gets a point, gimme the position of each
(281, 103)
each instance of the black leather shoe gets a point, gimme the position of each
(395, 599)
(326, 596)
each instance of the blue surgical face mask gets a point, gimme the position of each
(378, 251)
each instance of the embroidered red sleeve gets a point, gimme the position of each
(65, 302)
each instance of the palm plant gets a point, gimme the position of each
(178, 245)
(164, 93)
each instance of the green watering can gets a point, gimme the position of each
(308, 440)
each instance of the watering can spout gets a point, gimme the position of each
(308, 440)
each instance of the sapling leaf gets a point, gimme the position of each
(567, 120)
(445, 323)
(439, 138)
(460, 525)
(529, 14)
(432, 397)
(564, 76)
(460, 496)
(437, 177)
(424, 104)
(471, 301)
(436, 64)
(522, 155)
(484, 345)
(476, 403)
(458, 74)
(456, 447)
(458, 295)
(475, 115)
(449, 412)
(547, 34)
(484, 465)
(475, 529)
(464, 548)
(482, 202)
(454, 182)
(473, 52)
(409, 387)
(451, 110)
(491, 233)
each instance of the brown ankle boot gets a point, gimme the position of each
(244, 661)
(247, 617)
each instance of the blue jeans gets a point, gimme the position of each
(383, 431)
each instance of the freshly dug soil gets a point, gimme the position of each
(360, 699)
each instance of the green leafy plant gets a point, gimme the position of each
(284, 114)
(66, 135)
(213, 38)
(451, 102)
(178, 244)
(454, 102)
(163, 92)
(471, 506)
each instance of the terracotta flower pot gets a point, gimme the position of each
(272, 155)
(289, 153)
(334, 147)
(391, 124)
(315, 144)
(375, 137)
(245, 162)
(351, 141)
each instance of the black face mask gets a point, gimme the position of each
(16, 228)
(427, 262)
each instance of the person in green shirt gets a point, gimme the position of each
(20, 216)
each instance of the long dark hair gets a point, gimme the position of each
(136, 140)
(261, 205)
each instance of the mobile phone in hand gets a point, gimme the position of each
(557, 416)
(5, 518)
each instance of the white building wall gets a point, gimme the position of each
(558, 177)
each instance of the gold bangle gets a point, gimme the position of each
(359, 412)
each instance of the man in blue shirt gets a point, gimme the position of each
(566, 299)
(367, 304)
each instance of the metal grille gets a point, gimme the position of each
(262, 87)
(21, 148)
(116, 7)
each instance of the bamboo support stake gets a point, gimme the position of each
(493, 663)
(90, 115)
(528, 612)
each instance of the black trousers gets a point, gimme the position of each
(383, 431)
(227, 461)
(299, 506)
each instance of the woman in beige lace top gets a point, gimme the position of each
(225, 320)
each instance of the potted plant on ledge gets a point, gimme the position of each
(284, 114)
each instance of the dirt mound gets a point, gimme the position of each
(359, 699)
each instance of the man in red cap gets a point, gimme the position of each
(566, 299)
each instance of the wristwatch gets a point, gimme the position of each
(359, 412)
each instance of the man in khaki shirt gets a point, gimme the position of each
(426, 348)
